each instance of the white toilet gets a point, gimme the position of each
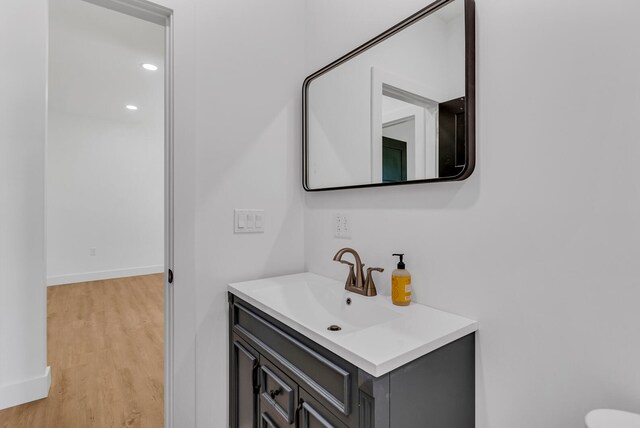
(607, 418)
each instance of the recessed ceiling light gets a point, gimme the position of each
(150, 67)
(131, 107)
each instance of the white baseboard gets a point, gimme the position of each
(105, 274)
(18, 393)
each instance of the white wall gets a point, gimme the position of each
(105, 190)
(24, 375)
(540, 244)
(249, 73)
(105, 164)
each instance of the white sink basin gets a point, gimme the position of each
(317, 302)
(374, 335)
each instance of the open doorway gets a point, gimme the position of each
(109, 207)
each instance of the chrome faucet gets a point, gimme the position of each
(355, 281)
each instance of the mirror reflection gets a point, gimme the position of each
(394, 112)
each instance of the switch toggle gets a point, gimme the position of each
(242, 220)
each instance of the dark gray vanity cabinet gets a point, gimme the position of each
(279, 378)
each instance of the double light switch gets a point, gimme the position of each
(248, 221)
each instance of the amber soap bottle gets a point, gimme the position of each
(401, 284)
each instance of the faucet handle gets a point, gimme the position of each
(351, 279)
(369, 285)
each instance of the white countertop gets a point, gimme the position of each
(376, 335)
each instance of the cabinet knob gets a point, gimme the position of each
(274, 393)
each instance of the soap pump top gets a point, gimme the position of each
(401, 262)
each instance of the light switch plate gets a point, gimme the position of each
(248, 220)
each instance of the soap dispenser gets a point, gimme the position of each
(401, 284)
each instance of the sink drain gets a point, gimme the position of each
(334, 327)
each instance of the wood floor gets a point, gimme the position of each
(105, 348)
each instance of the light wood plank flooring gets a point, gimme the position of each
(105, 348)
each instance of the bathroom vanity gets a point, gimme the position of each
(310, 352)
(306, 353)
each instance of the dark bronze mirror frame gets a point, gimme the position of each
(470, 94)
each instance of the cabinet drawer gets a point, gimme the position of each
(314, 415)
(277, 391)
(315, 370)
(267, 422)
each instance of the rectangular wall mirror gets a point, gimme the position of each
(399, 109)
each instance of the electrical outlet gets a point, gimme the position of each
(92, 251)
(341, 226)
(337, 225)
(346, 226)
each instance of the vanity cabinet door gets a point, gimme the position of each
(311, 414)
(244, 385)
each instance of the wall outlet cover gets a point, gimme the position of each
(341, 226)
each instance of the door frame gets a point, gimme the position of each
(384, 83)
(163, 16)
